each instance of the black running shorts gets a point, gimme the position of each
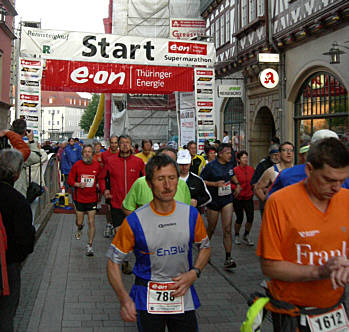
(85, 207)
(185, 322)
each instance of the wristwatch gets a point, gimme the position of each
(197, 271)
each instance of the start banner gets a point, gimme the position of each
(61, 75)
(109, 48)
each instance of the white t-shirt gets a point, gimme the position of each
(225, 139)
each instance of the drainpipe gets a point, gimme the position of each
(282, 75)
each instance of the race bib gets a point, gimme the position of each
(161, 301)
(89, 180)
(335, 320)
(225, 190)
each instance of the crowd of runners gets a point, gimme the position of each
(156, 199)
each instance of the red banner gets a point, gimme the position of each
(80, 76)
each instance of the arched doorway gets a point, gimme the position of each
(321, 103)
(262, 131)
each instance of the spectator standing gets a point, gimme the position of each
(244, 201)
(19, 126)
(71, 154)
(17, 219)
(225, 137)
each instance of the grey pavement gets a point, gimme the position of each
(65, 291)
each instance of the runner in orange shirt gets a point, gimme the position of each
(304, 241)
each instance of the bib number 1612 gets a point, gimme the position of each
(335, 320)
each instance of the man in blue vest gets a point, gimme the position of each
(161, 234)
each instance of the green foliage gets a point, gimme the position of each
(89, 114)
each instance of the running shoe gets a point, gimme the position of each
(78, 235)
(248, 241)
(229, 263)
(89, 250)
(237, 239)
(125, 268)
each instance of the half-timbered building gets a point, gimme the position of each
(312, 92)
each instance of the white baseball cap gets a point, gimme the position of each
(323, 133)
(156, 146)
(183, 157)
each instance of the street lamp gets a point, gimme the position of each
(335, 52)
(3, 14)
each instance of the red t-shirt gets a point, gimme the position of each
(81, 172)
(244, 176)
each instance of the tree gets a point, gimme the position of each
(89, 114)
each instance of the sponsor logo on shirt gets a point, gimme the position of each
(309, 233)
(167, 225)
(306, 256)
(174, 250)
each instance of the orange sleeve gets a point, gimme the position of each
(18, 144)
(200, 230)
(124, 239)
(270, 236)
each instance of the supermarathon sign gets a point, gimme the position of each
(92, 47)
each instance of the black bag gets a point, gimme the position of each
(34, 190)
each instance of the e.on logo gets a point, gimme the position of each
(82, 75)
(187, 48)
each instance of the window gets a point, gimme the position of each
(217, 33)
(260, 7)
(50, 100)
(222, 30)
(57, 111)
(322, 103)
(57, 123)
(227, 26)
(49, 122)
(244, 13)
(252, 10)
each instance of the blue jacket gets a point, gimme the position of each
(71, 154)
(293, 175)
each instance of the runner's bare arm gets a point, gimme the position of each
(262, 184)
(214, 183)
(185, 280)
(291, 272)
(128, 309)
(125, 211)
(238, 187)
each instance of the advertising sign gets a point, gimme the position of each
(269, 78)
(29, 102)
(61, 75)
(187, 28)
(229, 91)
(95, 47)
(204, 104)
(187, 124)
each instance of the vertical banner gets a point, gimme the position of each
(187, 117)
(204, 104)
(30, 74)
